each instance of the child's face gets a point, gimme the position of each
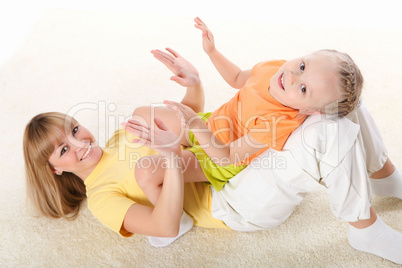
(306, 83)
(77, 152)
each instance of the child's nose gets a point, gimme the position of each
(292, 78)
(295, 79)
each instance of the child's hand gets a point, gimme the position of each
(158, 137)
(208, 42)
(186, 74)
(187, 115)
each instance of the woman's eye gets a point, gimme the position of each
(63, 150)
(75, 130)
(302, 66)
(303, 89)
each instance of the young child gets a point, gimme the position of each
(273, 100)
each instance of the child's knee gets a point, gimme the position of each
(142, 114)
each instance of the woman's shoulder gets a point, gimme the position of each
(117, 138)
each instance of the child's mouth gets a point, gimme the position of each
(280, 81)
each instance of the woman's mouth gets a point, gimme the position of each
(86, 154)
(280, 81)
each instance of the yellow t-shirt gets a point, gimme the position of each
(112, 188)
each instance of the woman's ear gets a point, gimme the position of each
(57, 172)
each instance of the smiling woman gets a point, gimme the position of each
(76, 152)
(52, 196)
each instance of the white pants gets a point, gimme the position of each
(335, 154)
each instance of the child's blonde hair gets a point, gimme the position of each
(55, 196)
(350, 82)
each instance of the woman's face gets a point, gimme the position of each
(77, 153)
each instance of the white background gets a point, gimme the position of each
(18, 16)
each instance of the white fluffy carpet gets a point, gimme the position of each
(98, 66)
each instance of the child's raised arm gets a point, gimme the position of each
(186, 75)
(229, 71)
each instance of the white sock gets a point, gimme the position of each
(389, 186)
(378, 239)
(186, 223)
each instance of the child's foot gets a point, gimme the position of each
(378, 239)
(186, 223)
(389, 186)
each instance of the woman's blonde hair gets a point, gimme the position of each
(55, 196)
(350, 81)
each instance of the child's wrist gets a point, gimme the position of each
(198, 83)
(212, 52)
(195, 81)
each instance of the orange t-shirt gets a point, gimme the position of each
(253, 110)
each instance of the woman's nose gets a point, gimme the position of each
(77, 145)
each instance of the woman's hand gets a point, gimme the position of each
(158, 137)
(208, 42)
(187, 116)
(186, 74)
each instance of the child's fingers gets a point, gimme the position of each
(199, 21)
(201, 27)
(178, 80)
(162, 56)
(162, 53)
(205, 32)
(174, 53)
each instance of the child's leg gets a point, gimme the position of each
(149, 173)
(371, 142)
(349, 193)
(169, 116)
(385, 171)
(375, 237)
(386, 179)
(194, 98)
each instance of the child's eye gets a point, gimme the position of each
(63, 150)
(302, 66)
(75, 130)
(303, 89)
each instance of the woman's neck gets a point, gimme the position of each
(84, 173)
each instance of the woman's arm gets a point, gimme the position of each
(164, 219)
(229, 71)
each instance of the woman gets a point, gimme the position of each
(64, 165)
